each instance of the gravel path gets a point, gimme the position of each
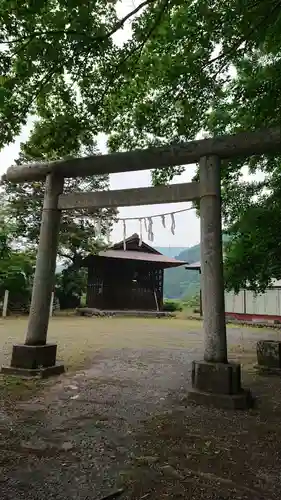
(124, 423)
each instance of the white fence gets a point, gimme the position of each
(5, 301)
(246, 302)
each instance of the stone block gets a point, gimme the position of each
(33, 361)
(241, 401)
(269, 355)
(31, 357)
(218, 385)
(49, 371)
(218, 378)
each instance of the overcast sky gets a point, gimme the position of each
(187, 224)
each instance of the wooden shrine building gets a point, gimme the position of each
(130, 279)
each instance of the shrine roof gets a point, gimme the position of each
(137, 251)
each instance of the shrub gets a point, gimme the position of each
(70, 285)
(172, 306)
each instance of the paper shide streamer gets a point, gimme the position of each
(148, 225)
(144, 222)
(147, 222)
(140, 239)
(98, 229)
(108, 233)
(150, 234)
(173, 223)
(124, 234)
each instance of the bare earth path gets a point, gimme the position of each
(122, 421)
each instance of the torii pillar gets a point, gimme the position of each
(215, 381)
(36, 357)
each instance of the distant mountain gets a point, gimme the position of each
(172, 252)
(180, 282)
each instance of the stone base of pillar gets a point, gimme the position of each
(269, 357)
(30, 361)
(218, 385)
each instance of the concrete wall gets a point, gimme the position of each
(246, 302)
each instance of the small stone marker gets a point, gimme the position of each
(269, 356)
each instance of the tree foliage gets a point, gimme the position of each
(16, 266)
(58, 61)
(254, 248)
(80, 232)
(71, 284)
(212, 68)
(58, 55)
(190, 68)
(181, 84)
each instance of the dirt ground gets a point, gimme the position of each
(119, 420)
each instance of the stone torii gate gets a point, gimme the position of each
(214, 380)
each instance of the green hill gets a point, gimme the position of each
(170, 251)
(179, 282)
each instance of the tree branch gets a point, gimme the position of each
(135, 50)
(178, 92)
(65, 256)
(118, 25)
(236, 46)
(46, 79)
(48, 76)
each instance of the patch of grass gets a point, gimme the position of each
(172, 305)
(15, 388)
(81, 339)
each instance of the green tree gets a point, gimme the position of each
(56, 61)
(80, 232)
(16, 273)
(16, 266)
(58, 54)
(190, 67)
(253, 251)
(180, 84)
(211, 68)
(71, 283)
